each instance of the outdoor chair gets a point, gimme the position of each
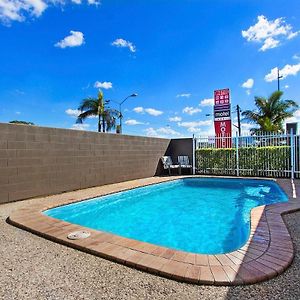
(184, 162)
(168, 164)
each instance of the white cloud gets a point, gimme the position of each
(248, 84)
(151, 132)
(269, 43)
(103, 85)
(153, 112)
(133, 122)
(269, 33)
(296, 56)
(191, 110)
(20, 10)
(292, 35)
(80, 126)
(246, 126)
(150, 111)
(194, 129)
(18, 112)
(207, 102)
(139, 109)
(94, 2)
(73, 112)
(167, 130)
(17, 91)
(286, 86)
(210, 131)
(75, 39)
(294, 118)
(195, 123)
(175, 119)
(286, 71)
(186, 95)
(161, 132)
(124, 44)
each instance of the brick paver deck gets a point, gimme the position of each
(267, 253)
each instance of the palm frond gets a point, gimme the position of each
(275, 97)
(260, 103)
(86, 114)
(250, 116)
(88, 104)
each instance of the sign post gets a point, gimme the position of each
(222, 118)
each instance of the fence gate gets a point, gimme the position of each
(263, 155)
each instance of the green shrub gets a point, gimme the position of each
(254, 161)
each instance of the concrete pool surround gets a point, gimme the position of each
(267, 253)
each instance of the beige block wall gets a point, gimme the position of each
(37, 161)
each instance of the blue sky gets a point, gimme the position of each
(174, 54)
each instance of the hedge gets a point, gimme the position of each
(254, 161)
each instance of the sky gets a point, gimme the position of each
(173, 54)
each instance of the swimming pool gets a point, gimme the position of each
(200, 215)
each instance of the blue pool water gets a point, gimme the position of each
(200, 215)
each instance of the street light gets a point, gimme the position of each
(120, 108)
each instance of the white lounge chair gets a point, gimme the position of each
(168, 164)
(184, 162)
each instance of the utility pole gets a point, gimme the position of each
(238, 111)
(278, 80)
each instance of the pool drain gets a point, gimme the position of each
(78, 235)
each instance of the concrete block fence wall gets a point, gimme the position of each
(37, 161)
(182, 146)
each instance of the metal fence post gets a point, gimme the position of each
(194, 155)
(292, 154)
(237, 155)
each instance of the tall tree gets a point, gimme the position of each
(270, 113)
(98, 107)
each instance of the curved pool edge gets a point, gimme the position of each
(267, 253)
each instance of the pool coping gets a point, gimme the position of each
(267, 253)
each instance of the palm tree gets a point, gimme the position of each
(98, 107)
(270, 113)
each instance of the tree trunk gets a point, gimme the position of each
(99, 124)
(103, 124)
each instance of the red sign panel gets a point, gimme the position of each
(222, 118)
(223, 134)
(222, 97)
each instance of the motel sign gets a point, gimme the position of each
(222, 118)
